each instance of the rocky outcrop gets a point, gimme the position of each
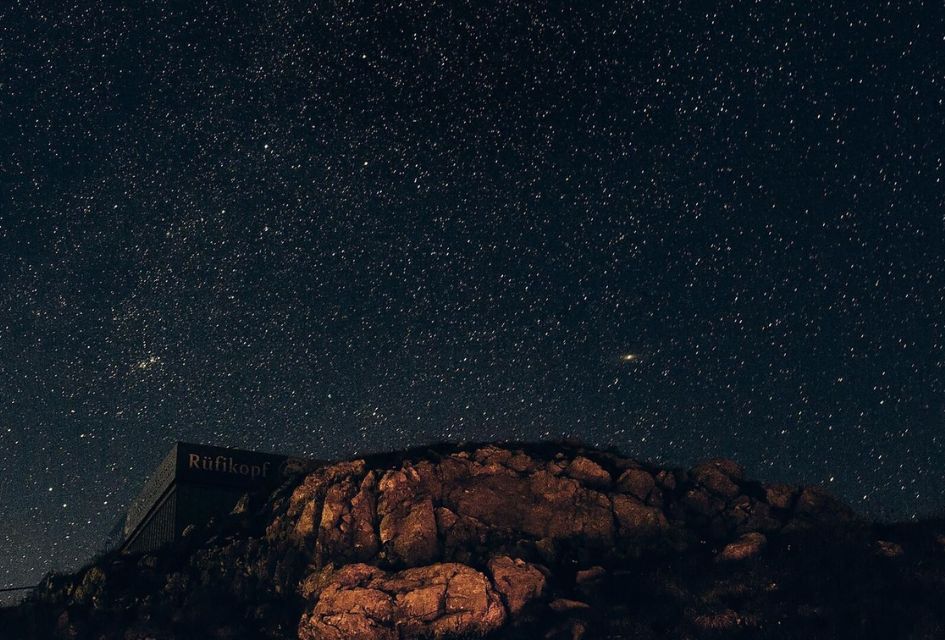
(748, 545)
(435, 601)
(448, 509)
(553, 541)
(438, 600)
(815, 507)
(518, 582)
(494, 516)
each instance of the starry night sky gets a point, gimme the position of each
(330, 228)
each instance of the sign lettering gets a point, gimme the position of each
(227, 464)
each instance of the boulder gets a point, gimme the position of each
(780, 496)
(636, 520)
(589, 473)
(700, 502)
(815, 506)
(636, 482)
(590, 582)
(517, 581)
(539, 505)
(719, 477)
(747, 546)
(565, 605)
(435, 601)
(407, 527)
(347, 528)
(666, 479)
(746, 514)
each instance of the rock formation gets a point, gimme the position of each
(502, 541)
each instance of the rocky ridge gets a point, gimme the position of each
(546, 540)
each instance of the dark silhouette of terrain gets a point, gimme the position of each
(547, 540)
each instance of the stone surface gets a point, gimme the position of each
(517, 581)
(636, 482)
(435, 601)
(347, 527)
(814, 505)
(637, 520)
(407, 523)
(590, 582)
(747, 546)
(718, 477)
(589, 473)
(590, 576)
(561, 605)
(512, 542)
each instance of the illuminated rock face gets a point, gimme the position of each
(477, 526)
(545, 540)
(438, 600)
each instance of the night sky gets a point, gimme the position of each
(328, 228)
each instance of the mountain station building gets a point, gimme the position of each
(195, 483)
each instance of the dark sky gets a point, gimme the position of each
(327, 228)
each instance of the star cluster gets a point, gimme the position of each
(333, 228)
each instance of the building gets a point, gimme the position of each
(195, 483)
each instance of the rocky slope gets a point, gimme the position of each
(514, 541)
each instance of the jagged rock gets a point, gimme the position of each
(589, 473)
(780, 496)
(561, 605)
(747, 546)
(636, 482)
(590, 576)
(517, 581)
(747, 514)
(702, 503)
(347, 528)
(636, 520)
(719, 477)
(815, 506)
(348, 607)
(306, 502)
(590, 581)
(435, 601)
(458, 532)
(666, 479)
(91, 586)
(729, 467)
(540, 504)
(502, 540)
(407, 522)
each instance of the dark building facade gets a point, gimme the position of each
(195, 483)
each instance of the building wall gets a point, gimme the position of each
(158, 529)
(197, 504)
(152, 492)
(196, 483)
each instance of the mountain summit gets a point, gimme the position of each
(513, 541)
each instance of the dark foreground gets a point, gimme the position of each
(514, 541)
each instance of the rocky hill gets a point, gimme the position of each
(514, 541)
